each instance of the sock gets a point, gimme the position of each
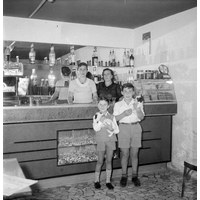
(108, 175)
(97, 175)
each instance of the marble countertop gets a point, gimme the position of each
(20, 114)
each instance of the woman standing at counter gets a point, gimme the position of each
(108, 88)
(82, 89)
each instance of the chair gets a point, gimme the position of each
(187, 169)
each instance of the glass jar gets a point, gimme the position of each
(140, 74)
(148, 74)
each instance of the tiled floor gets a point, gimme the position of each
(157, 186)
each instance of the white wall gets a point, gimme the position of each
(22, 29)
(174, 42)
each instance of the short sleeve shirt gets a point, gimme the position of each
(82, 92)
(121, 106)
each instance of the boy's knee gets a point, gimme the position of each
(100, 162)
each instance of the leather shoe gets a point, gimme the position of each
(109, 186)
(97, 185)
(136, 181)
(123, 181)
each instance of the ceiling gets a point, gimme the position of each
(114, 13)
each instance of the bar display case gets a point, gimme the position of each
(156, 90)
(76, 146)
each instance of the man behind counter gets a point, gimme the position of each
(82, 89)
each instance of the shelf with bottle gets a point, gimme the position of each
(13, 68)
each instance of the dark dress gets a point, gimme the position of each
(110, 92)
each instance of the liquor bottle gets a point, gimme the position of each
(95, 57)
(124, 58)
(52, 56)
(127, 59)
(72, 55)
(73, 73)
(51, 80)
(32, 54)
(110, 59)
(95, 74)
(19, 67)
(7, 54)
(113, 59)
(132, 60)
(40, 92)
(33, 83)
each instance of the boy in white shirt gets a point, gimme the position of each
(129, 112)
(82, 89)
(105, 127)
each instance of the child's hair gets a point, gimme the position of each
(128, 85)
(82, 64)
(66, 71)
(103, 99)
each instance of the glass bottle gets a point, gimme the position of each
(51, 80)
(113, 59)
(132, 60)
(124, 58)
(95, 57)
(33, 81)
(32, 54)
(110, 59)
(52, 56)
(19, 66)
(72, 55)
(127, 59)
(7, 54)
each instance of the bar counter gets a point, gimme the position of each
(58, 140)
(50, 112)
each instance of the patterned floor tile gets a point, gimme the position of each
(161, 186)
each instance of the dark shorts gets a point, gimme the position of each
(130, 135)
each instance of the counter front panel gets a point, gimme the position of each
(66, 147)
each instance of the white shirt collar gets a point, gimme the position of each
(82, 84)
(131, 102)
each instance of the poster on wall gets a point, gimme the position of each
(146, 41)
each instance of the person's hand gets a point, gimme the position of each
(102, 119)
(108, 124)
(136, 106)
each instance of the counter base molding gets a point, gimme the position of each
(36, 145)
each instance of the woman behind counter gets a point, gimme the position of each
(82, 89)
(108, 88)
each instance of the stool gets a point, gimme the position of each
(187, 169)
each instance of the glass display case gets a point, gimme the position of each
(77, 146)
(156, 90)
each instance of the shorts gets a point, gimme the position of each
(102, 145)
(130, 135)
